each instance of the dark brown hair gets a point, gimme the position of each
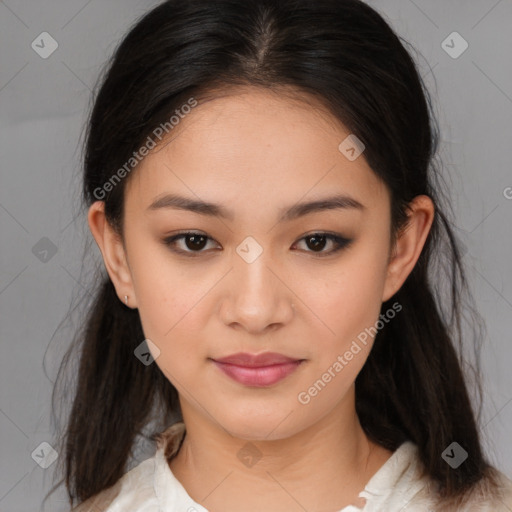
(412, 386)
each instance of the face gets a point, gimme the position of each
(304, 285)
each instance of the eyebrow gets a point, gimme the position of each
(286, 214)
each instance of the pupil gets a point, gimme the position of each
(316, 244)
(195, 239)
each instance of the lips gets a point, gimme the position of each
(254, 361)
(257, 370)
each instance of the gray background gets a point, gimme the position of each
(44, 104)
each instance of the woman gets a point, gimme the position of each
(259, 179)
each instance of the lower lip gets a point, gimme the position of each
(260, 376)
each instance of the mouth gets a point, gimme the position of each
(257, 370)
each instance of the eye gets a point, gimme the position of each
(319, 240)
(196, 242)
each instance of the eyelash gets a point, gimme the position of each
(341, 243)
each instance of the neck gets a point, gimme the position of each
(220, 471)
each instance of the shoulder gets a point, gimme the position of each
(403, 481)
(100, 502)
(135, 490)
(491, 494)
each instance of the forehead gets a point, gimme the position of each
(254, 147)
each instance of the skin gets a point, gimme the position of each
(256, 153)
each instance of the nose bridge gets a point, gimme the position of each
(252, 277)
(257, 297)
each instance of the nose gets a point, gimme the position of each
(257, 298)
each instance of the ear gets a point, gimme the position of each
(409, 244)
(113, 252)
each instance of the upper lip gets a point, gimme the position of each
(256, 360)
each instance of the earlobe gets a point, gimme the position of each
(112, 250)
(409, 244)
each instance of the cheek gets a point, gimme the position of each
(349, 303)
(170, 317)
(347, 297)
(168, 299)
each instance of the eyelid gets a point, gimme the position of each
(339, 240)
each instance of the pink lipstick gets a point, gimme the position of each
(257, 370)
